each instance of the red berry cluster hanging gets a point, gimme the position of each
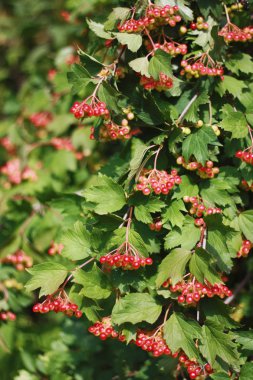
(41, 119)
(198, 208)
(15, 174)
(192, 291)
(194, 369)
(207, 171)
(7, 316)
(55, 248)
(164, 83)
(245, 156)
(199, 25)
(59, 303)
(231, 32)
(157, 181)
(19, 259)
(127, 257)
(6, 143)
(156, 225)
(245, 248)
(112, 131)
(246, 186)
(104, 330)
(153, 342)
(171, 47)
(64, 143)
(96, 108)
(201, 66)
(155, 16)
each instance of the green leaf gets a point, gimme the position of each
(106, 194)
(217, 311)
(247, 372)
(98, 29)
(77, 243)
(240, 62)
(173, 266)
(145, 206)
(92, 65)
(231, 85)
(236, 123)
(187, 187)
(180, 333)
(95, 283)
(119, 13)
(193, 112)
(173, 213)
(48, 276)
(187, 237)
(246, 224)
(216, 343)
(138, 150)
(79, 78)
(196, 144)
(201, 267)
(160, 63)
(135, 308)
(135, 239)
(133, 41)
(140, 65)
(109, 95)
(245, 339)
(218, 235)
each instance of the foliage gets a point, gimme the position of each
(135, 207)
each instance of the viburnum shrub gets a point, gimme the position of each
(167, 88)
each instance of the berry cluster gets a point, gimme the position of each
(207, 171)
(7, 316)
(245, 248)
(156, 226)
(245, 156)
(83, 109)
(191, 291)
(197, 67)
(157, 181)
(155, 16)
(199, 25)
(64, 143)
(125, 256)
(6, 143)
(55, 248)
(246, 186)
(113, 131)
(194, 369)
(12, 169)
(19, 259)
(231, 32)
(164, 83)
(58, 304)
(41, 119)
(153, 343)
(105, 330)
(173, 48)
(198, 208)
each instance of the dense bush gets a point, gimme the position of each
(131, 213)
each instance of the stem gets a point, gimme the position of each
(129, 224)
(238, 289)
(156, 156)
(227, 15)
(210, 113)
(72, 274)
(188, 106)
(150, 39)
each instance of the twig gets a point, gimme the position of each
(181, 117)
(238, 289)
